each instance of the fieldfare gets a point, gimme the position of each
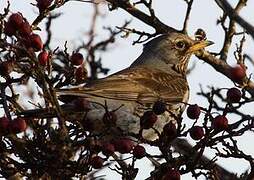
(158, 74)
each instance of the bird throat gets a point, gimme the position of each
(181, 67)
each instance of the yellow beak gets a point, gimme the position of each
(199, 45)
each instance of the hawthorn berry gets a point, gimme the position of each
(139, 152)
(43, 58)
(17, 125)
(43, 4)
(9, 30)
(172, 174)
(80, 74)
(16, 20)
(77, 59)
(170, 129)
(36, 42)
(4, 123)
(6, 68)
(108, 149)
(148, 119)
(25, 29)
(196, 132)
(193, 111)
(159, 107)
(123, 145)
(220, 123)
(234, 95)
(237, 73)
(96, 162)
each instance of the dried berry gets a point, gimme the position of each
(234, 95)
(97, 162)
(220, 123)
(159, 107)
(237, 73)
(196, 132)
(9, 30)
(36, 42)
(193, 111)
(170, 129)
(4, 124)
(43, 58)
(6, 68)
(43, 4)
(25, 29)
(139, 152)
(108, 149)
(16, 20)
(123, 145)
(17, 125)
(148, 119)
(172, 174)
(77, 59)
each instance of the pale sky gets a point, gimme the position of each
(75, 21)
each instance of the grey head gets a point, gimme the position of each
(169, 51)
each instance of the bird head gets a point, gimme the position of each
(172, 49)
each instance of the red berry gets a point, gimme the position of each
(109, 118)
(237, 73)
(108, 149)
(36, 42)
(43, 4)
(172, 174)
(6, 68)
(193, 111)
(43, 58)
(139, 152)
(9, 29)
(4, 123)
(17, 125)
(170, 129)
(25, 29)
(97, 162)
(159, 107)
(77, 59)
(148, 119)
(80, 74)
(220, 123)
(16, 20)
(234, 95)
(123, 145)
(196, 132)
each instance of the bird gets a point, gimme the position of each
(158, 74)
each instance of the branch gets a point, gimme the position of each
(149, 20)
(230, 32)
(227, 8)
(187, 16)
(224, 68)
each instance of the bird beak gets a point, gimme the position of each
(199, 45)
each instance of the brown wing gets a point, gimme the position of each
(136, 84)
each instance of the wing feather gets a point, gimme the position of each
(136, 84)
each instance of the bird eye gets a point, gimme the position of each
(180, 45)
